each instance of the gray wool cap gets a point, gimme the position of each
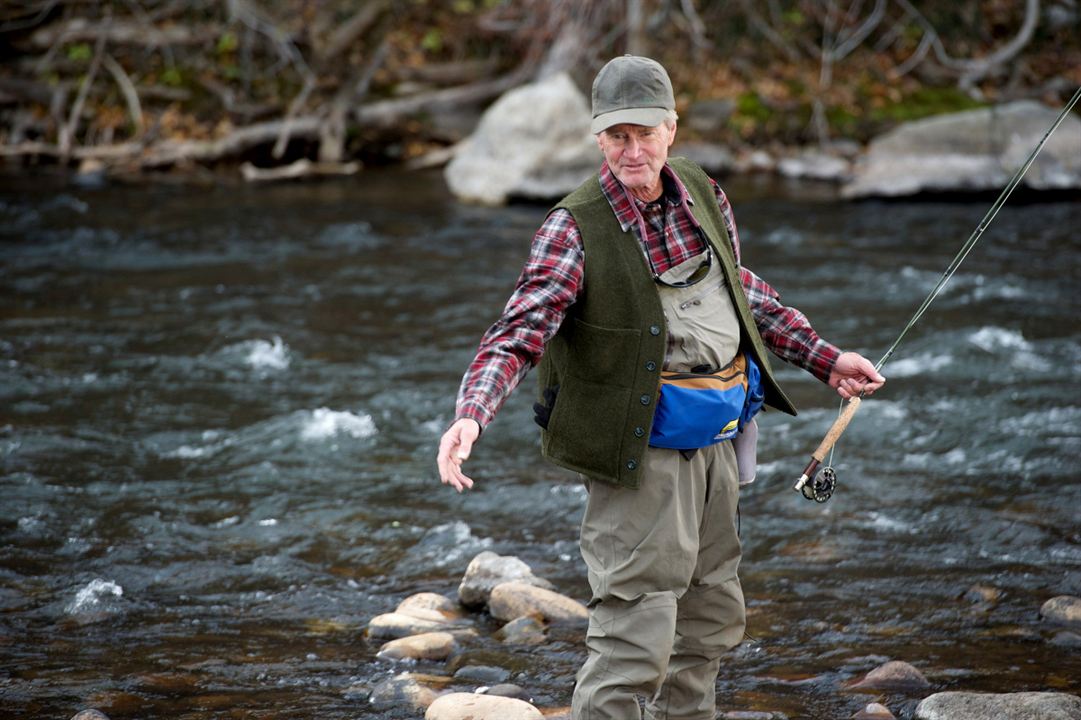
(631, 89)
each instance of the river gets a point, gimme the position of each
(219, 409)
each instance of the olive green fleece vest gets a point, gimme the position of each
(606, 357)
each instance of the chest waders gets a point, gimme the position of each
(663, 557)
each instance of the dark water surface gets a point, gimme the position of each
(219, 410)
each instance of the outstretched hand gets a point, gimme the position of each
(454, 448)
(853, 375)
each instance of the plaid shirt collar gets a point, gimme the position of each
(627, 208)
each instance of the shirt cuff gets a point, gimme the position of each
(473, 411)
(821, 359)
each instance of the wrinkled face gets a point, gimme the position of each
(636, 154)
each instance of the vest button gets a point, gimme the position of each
(654, 329)
(631, 464)
(651, 366)
(645, 399)
(639, 431)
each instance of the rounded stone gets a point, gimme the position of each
(470, 706)
(996, 706)
(513, 600)
(427, 646)
(482, 674)
(402, 690)
(895, 676)
(424, 604)
(874, 711)
(526, 630)
(486, 570)
(396, 625)
(90, 714)
(1063, 610)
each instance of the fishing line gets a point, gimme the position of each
(820, 489)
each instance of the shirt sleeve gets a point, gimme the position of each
(785, 330)
(548, 285)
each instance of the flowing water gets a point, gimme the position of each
(219, 410)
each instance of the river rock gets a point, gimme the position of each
(470, 706)
(996, 706)
(1063, 610)
(397, 625)
(533, 142)
(507, 690)
(427, 646)
(90, 714)
(515, 599)
(970, 151)
(482, 673)
(815, 165)
(714, 159)
(874, 711)
(893, 676)
(487, 570)
(525, 630)
(422, 605)
(403, 690)
(1067, 639)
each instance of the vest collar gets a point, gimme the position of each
(625, 205)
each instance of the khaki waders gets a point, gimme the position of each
(663, 557)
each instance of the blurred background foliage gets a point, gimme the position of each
(168, 83)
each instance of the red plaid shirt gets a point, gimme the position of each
(552, 277)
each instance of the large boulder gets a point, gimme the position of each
(487, 570)
(533, 142)
(996, 706)
(971, 151)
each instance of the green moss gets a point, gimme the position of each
(925, 102)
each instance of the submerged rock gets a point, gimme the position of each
(1063, 610)
(470, 706)
(969, 151)
(507, 690)
(533, 142)
(874, 711)
(428, 646)
(895, 676)
(482, 673)
(997, 706)
(90, 714)
(526, 630)
(404, 690)
(515, 599)
(487, 570)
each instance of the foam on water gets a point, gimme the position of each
(995, 339)
(918, 365)
(263, 355)
(326, 423)
(91, 597)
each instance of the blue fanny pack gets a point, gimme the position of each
(695, 410)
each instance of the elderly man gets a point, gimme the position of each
(634, 281)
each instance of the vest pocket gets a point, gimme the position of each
(604, 354)
(586, 426)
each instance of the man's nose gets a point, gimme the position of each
(633, 146)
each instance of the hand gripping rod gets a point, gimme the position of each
(842, 421)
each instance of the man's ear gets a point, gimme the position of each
(600, 145)
(672, 134)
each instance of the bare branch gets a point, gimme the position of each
(68, 130)
(348, 33)
(127, 89)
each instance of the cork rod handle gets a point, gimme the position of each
(836, 429)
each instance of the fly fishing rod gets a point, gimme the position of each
(819, 486)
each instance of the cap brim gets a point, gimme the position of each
(650, 117)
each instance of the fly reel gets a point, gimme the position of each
(821, 486)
